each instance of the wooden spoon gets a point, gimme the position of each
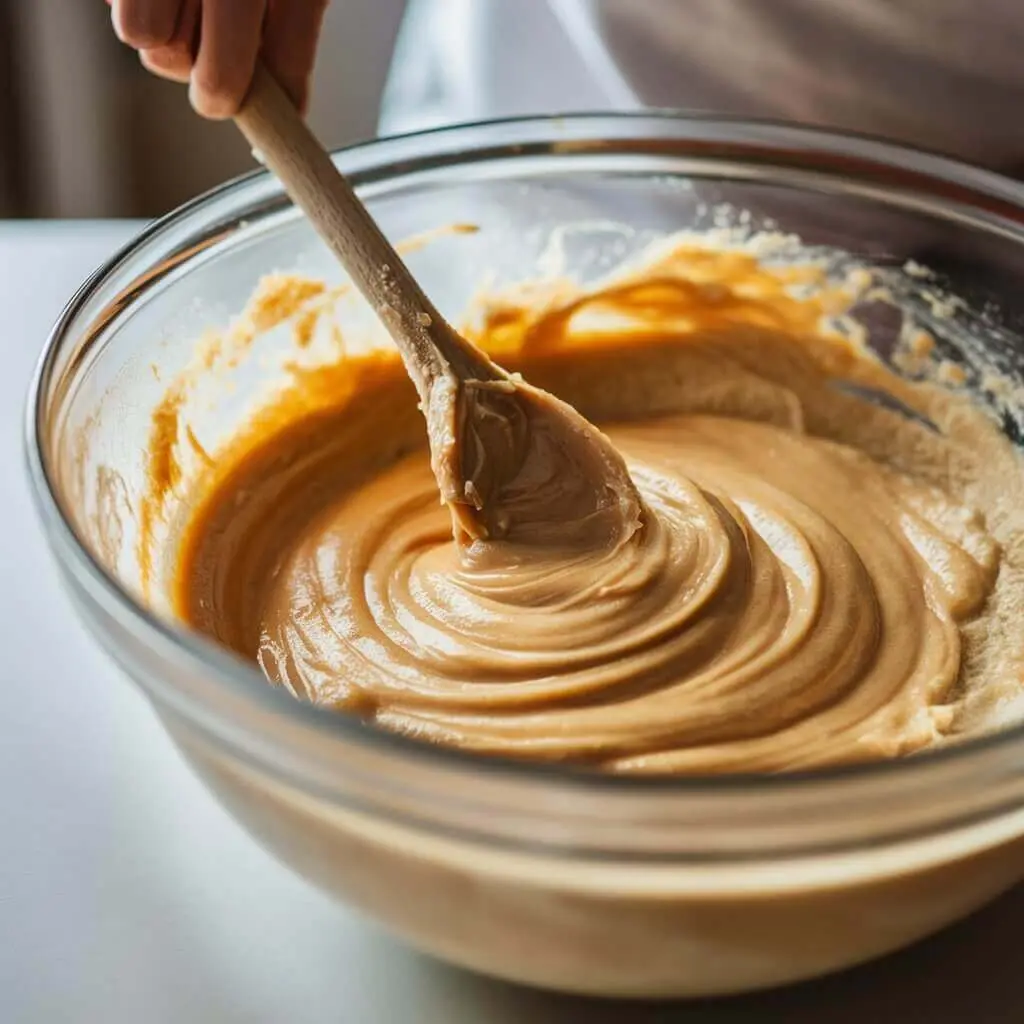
(512, 461)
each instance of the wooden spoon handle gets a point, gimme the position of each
(280, 137)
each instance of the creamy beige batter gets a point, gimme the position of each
(814, 579)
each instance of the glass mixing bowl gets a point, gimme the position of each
(559, 878)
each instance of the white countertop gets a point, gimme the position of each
(127, 895)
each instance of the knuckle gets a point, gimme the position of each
(216, 95)
(167, 62)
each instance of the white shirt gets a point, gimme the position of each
(942, 74)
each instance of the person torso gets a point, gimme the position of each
(942, 74)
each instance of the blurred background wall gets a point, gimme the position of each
(86, 132)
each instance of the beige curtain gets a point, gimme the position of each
(85, 132)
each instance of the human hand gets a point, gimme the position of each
(213, 45)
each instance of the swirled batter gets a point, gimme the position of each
(817, 579)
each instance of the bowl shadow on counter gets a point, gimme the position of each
(969, 972)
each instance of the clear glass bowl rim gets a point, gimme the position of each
(238, 689)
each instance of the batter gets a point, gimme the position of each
(813, 579)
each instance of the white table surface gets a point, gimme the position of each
(127, 895)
